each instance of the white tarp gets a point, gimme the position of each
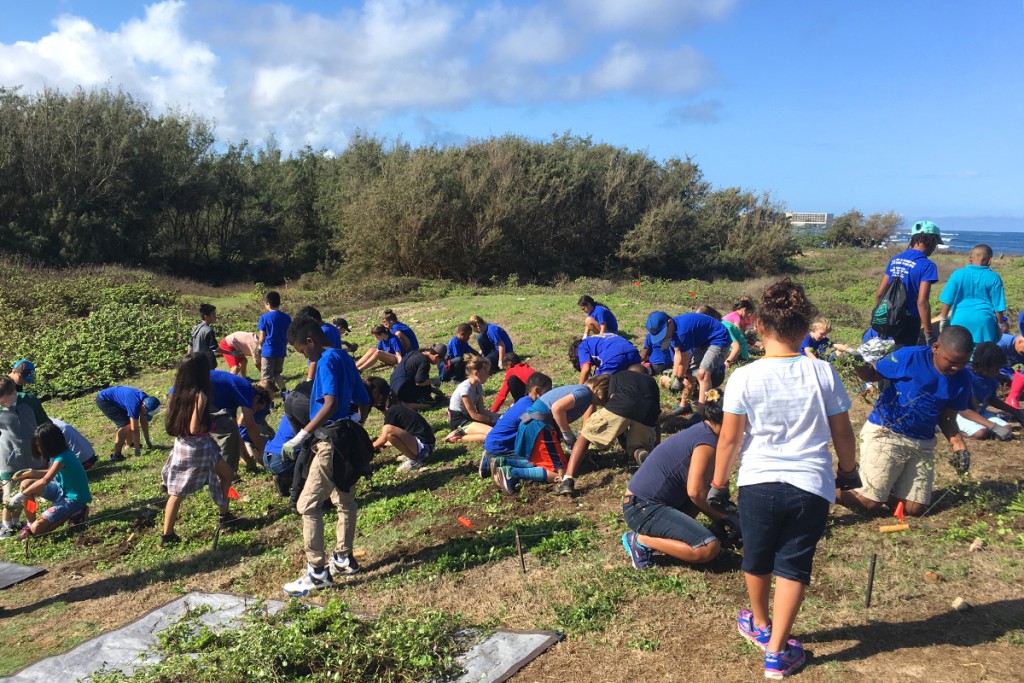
(493, 660)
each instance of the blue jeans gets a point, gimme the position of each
(781, 528)
(664, 521)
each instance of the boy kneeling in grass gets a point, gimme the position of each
(64, 483)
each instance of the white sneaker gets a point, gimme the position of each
(344, 566)
(408, 465)
(309, 582)
(17, 501)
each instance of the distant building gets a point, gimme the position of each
(810, 222)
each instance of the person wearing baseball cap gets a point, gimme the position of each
(918, 272)
(410, 380)
(23, 372)
(692, 336)
(343, 329)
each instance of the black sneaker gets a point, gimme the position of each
(116, 457)
(227, 518)
(567, 487)
(169, 539)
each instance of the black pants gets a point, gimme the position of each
(488, 350)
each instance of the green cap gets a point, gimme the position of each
(926, 228)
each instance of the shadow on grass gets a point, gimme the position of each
(982, 624)
(459, 554)
(184, 568)
(993, 494)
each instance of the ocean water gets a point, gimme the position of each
(963, 240)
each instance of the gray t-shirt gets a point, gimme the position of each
(474, 392)
(78, 444)
(580, 392)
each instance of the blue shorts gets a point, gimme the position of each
(663, 521)
(781, 528)
(61, 509)
(113, 412)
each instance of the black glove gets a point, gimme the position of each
(961, 461)
(847, 481)
(718, 499)
(1001, 432)
(931, 337)
(1018, 415)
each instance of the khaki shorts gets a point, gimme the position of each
(271, 368)
(225, 433)
(604, 427)
(891, 464)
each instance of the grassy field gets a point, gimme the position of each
(670, 623)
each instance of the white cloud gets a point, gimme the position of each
(628, 68)
(148, 57)
(311, 77)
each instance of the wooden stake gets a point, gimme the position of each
(871, 581)
(519, 549)
(893, 527)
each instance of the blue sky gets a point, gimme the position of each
(914, 106)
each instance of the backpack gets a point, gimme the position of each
(353, 451)
(888, 316)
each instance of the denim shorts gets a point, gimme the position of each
(113, 412)
(663, 521)
(781, 528)
(61, 508)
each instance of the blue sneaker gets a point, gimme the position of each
(485, 465)
(758, 636)
(639, 555)
(503, 478)
(778, 665)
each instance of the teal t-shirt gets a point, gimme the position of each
(72, 478)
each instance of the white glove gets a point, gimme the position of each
(294, 443)
(569, 438)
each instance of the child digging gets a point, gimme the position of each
(404, 428)
(780, 413)
(63, 482)
(195, 460)
(668, 491)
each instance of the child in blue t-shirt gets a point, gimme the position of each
(64, 483)
(388, 350)
(658, 357)
(404, 333)
(816, 343)
(501, 440)
(978, 421)
(927, 387)
(493, 340)
(603, 353)
(131, 411)
(600, 320)
(454, 367)
(273, 339)
(336, 387)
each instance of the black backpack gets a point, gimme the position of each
(353, 451)
(888, 316)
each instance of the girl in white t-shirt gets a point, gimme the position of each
(780, 414)
(469, 419)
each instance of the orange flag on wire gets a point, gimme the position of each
(30, 506)
(232, 493)
(465, 522)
